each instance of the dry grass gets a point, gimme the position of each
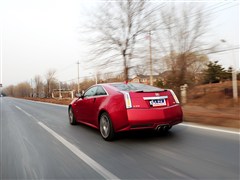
(213, 104)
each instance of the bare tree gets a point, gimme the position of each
(38, 85)
(22, 90)
(181, 39)
(117, 32)
(111, 77)
(9, 90)
(49, 81)
(140, 70)
(87, 83)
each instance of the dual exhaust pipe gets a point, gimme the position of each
(163, 128)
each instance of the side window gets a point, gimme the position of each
(91, 92)
(100, 91)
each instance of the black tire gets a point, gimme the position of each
(72, 119)
(106, 127)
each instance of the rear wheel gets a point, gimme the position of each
(106, 127)
(72, 119)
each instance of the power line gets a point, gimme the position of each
(225, 8)
(224, 50)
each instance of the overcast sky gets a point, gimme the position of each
(38, 35)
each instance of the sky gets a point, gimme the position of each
(40, 35)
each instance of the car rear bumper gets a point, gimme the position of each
(152, 118)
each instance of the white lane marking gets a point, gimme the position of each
(84, 157)
(93, 164)
(176, 173)
(24, 111)
(210, 128)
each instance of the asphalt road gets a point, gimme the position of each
(37, 142)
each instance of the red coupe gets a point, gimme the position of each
(116, 107)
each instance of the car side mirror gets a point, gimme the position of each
(78, 95)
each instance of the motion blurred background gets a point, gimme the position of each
(51, 50)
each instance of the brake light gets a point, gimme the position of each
(174, 96)
(127, 99)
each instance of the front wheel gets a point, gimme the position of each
(106, 127)
(72, 119)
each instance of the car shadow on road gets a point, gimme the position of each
(136, 135)
(145, 135)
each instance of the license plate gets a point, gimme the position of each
(158, 102)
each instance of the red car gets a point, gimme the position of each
(116, 107)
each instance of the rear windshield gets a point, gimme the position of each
(136, 87)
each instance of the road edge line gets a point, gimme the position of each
(210, 128)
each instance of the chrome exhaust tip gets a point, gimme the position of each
(158, 128)
(163, 128)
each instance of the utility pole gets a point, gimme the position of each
(78, 76)
(234, 84)
(31, 94)
(234, 74)
(60, 93)
(150, 57)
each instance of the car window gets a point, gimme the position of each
(100, 91)
(90, 92)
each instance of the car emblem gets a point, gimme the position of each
(157, 94)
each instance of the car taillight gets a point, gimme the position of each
(127, 99)
(174, 96)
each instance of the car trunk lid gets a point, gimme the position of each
(156, 99)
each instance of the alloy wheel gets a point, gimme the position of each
(104, 126)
